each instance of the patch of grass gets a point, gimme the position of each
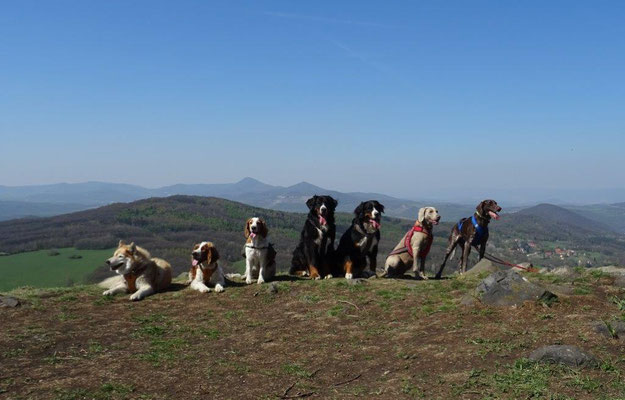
(68, 298)
(232, 314)
(390, 294)
(295, 370)
(411, 390)
(487, 346)
(152, 331)
(210, 333)
(95, 347)
(335, 310)
(524, 379)
(12, 353)
(310, 298)
(38, 269)
(582, 290)
(65, 315)
(103, 300)
(620, 303)
(162, 350)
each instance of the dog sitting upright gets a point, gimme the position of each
(205, 270)
(260, 256)
(413, 248)
(471, 232)
(142, 275)
(313, 254)
(360, 242)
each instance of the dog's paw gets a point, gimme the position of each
(204, 290)
(107, 293)
(219, 288)
(349, 276)
(260, 280)
(248, 280)
(422, 276)
(329, 276)
(136, 297)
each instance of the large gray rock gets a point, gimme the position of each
(508, 288)
(6, 301)
(567, 355)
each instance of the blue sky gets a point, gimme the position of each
(407, 98)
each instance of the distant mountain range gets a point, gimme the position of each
(56, 199)
(250, 191)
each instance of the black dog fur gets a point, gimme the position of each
(315, 250)
(360, 242)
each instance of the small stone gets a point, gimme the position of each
(568, 355)
(357, 281)
(6, 301)
(273, 288)
(615, 329)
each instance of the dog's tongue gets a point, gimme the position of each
(252, 235)
(322, 220)
(493, 215)
(194, 262)
(375, 224)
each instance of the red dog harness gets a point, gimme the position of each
(407, 247)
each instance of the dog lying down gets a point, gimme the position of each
(139, 273)
(205, 271)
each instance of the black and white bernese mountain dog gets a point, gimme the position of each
(360, 242)
(314, 253)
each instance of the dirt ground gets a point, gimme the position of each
(382, 339)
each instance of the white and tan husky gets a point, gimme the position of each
(141, 274)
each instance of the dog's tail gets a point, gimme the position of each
(108, 283)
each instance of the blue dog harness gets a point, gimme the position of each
(480, 231)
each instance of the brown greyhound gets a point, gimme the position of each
(471, 232)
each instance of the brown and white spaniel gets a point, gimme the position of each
(260, 256)
(205, 270)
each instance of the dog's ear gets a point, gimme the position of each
(379, 206)
(334, 203)
(358, 211)
(263, 228)
(421, 216)
(246, 232)
(121, 243)
(133, 247)
(212, 254)
(480, 208)
(310, 203)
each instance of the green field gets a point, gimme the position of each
(40, 269)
